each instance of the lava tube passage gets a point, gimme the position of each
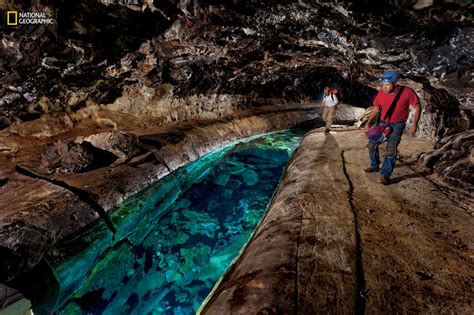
(175, 239)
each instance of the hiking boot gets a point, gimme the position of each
(384, 180)
(371, 169)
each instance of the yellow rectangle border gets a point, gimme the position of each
(15, 14)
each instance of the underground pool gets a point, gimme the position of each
(175, 239)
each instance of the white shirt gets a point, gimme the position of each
(328, 100)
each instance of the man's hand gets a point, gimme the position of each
(416, 118)
(366, 127)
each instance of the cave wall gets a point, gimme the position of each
(169, 61)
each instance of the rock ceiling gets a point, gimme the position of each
(138, 57)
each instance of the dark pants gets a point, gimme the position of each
(391, 150)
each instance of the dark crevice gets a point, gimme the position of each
(101, 158)
(166, 165)
(39, 284)
(360, 278)
(4, 181)
(161, 160)
(81, 194)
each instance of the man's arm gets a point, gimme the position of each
(372, 116)
(416, 118)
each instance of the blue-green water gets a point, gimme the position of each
(175, 239)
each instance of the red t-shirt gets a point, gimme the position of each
(384, 100)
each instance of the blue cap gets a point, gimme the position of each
(389, 76)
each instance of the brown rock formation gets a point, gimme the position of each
(453, 160)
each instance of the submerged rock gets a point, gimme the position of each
(249, 177)
(222, 179)
(253, 209)
(200, 223)
(234, 184)
(267, 153)
(196, 256)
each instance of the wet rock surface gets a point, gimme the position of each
(35, 214)
(350, 245)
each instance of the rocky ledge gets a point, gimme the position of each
(335, 241)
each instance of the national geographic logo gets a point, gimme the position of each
(12, 18)
(28, 18)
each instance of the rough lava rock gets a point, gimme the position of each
(173, 62)
(453, 160)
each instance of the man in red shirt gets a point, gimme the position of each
(396, 122)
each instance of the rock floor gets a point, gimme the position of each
(336, 241)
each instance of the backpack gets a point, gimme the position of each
(335, 92)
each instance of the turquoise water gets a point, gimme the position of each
(175, 239)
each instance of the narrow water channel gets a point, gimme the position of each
(175, 239)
